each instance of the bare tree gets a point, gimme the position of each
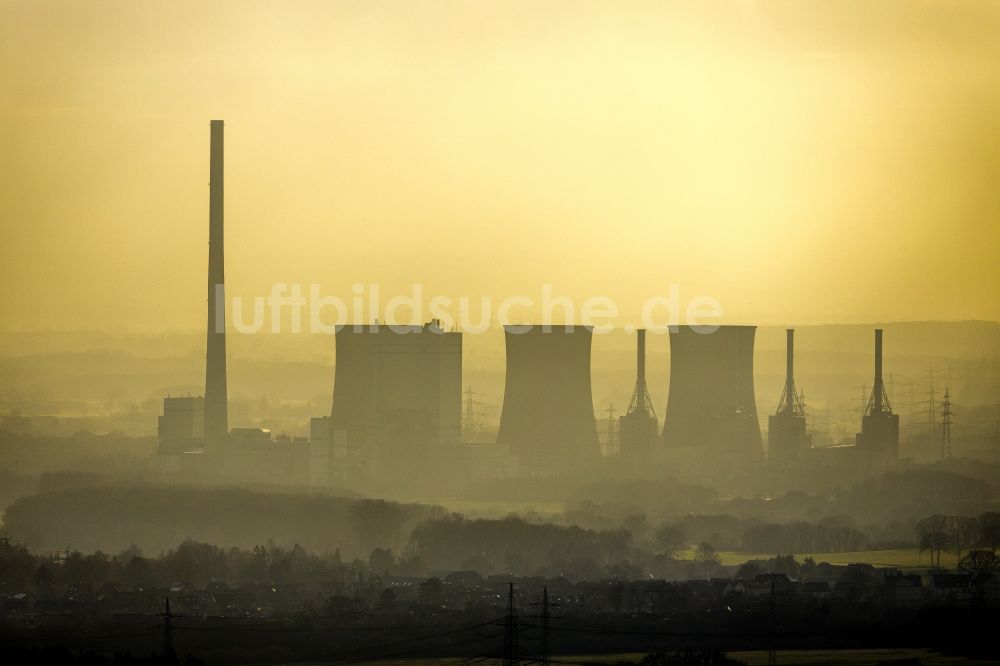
(962, 533)
(932, 536)
(706, 553)
(669, 540)
(988, 525)
(980, 565)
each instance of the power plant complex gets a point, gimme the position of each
(397, 403)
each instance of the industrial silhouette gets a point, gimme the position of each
(399, 382)
(786, 429)
(216, 393)
(638, 426)
(397, 404)
(711, 402)
(879, 436)
(548, 409)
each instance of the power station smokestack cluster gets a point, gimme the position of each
(399, 393)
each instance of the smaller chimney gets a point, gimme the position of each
(790, 402)
(640, 402)
(878, 356)
(640, 363)
(789, 356)
(880, 400)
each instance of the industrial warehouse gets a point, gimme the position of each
(396, 415)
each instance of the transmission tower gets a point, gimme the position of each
(546, 637)
(168, 632)
(863, 398)
(510, 647)
(545, 615)
(613, 448)
(470, 416)
(772, 653)
(931, 403)
(946, 426)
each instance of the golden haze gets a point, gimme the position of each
(800, 162)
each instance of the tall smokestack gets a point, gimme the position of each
(216, 398)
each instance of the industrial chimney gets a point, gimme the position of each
(786, 429)
(548, 411)
(879, 434)
(711, 402)
(216, 399)
(639, 427)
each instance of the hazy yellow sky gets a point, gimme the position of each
(800, 162)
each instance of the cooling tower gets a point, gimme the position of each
(711, 402)
(400, 384)
(548, 411)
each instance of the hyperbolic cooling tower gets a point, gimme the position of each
(711, 402)
(548, 410)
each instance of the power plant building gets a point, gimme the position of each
(181, 427)
(547, 418)
(399, 384)
(711, 404)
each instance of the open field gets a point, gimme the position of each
(854, 657)
(492, 509)
(900, 558)
(753, 658)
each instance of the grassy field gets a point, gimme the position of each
(853, 657)
(490, 509)
(755, 658)
(901, 558)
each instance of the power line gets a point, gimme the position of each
(168, 631)
(510, 628)
(946, 426)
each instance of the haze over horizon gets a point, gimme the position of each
(830, 162)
